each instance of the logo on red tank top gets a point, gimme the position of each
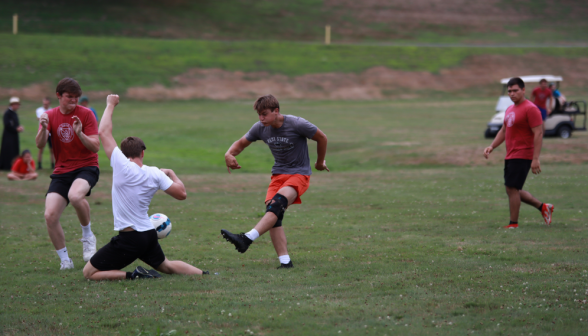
(510, 119)
(65, 132)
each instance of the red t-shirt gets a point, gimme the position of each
(70, 153)
(541, 96)
(21, 167)
(518, 121)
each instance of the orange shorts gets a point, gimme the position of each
(299, 182)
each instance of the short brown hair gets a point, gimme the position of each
(69, 85)
(266, 102)
(132, 147)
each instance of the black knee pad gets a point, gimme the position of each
(278, 206)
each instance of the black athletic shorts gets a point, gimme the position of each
(127, 247)
(60, 183)
(49, 142)
(515, 172)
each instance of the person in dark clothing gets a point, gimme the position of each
(10, 149)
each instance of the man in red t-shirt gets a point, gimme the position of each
(74, 135)
(523, 132)
(539, 97)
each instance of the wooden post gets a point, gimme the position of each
(15, 24)
(327, 34)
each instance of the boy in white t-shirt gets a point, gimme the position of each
(133, 187)
(39, 112)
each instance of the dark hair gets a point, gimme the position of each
(26, 151)
(516, 81)
(69, 85)
(543, 80)
(132, 147)
(266, 102)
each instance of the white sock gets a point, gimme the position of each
(253, 234)
(285, 259)
(63, 254)
(87, 230)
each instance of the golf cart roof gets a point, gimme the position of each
(535, 79)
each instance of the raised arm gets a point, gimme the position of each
(538, 143)
(43, 134)
(236, 148)
(105, 128)
(499, 139)
(321, 150)
(177, 189)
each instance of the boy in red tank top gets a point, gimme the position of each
(523, 132)
(74, 136)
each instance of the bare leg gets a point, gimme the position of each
(514, 201)
(30, 176)
(177, 267)
(77, 198)
(529, 199)
(279, 240)
(14, 176)
(54, 206)
(92, 273)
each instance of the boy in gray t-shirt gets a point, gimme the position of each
(286, 136)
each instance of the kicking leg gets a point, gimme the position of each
(177, 267)
(545, 208)
(77, 196)
(526, 197)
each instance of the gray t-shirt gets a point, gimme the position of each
(287, 143)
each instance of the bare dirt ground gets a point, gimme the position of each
(374, 83)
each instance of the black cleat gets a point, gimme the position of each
(240, 241)
(142, 273)
(288, 265)
(205, 272)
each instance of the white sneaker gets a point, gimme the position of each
(89, 245)
(67, 264)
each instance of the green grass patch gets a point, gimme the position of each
(116, 63)
(381, 245)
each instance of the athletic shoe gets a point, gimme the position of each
(241, 241)
(546, 211)
(205, 273)
(66, 264)
(89, 247)
(288, 265)
(142, 273)
(511, 226)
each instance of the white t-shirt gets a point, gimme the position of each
(133, 188)
(40, 111)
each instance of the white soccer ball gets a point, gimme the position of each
(161, 224)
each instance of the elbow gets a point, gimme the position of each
(182, 196)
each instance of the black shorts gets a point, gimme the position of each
(60, 183)
(127, 247)
(49, 142)
(515, 172)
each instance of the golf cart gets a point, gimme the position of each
(561, 122)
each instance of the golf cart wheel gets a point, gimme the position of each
(564, 132)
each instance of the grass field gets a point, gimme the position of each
(401, 238)
(117, 63)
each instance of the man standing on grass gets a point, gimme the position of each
(133, 187)
(539, 97)
(286, 136)
(523, 132)
(75, 143)
(39, 112)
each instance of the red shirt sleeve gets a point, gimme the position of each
(90, 125)
(534, 116)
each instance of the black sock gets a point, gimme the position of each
(511, 222)
(540, 207)
(129, 275)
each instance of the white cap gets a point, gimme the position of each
(14, 100)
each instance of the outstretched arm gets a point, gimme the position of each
(105, 128)
(321, 150)
(236, 148)
(497, 141)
